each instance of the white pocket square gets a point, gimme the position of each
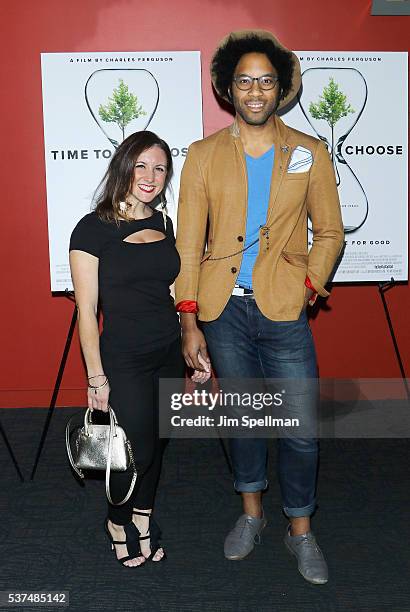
(300, 161)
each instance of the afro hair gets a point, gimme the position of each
(227, 57)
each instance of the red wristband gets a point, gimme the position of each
(308, 284)
(187, 306)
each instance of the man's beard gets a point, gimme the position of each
(255, 119)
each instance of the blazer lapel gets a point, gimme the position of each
(243, 176)
(282, 156)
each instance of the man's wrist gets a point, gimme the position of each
(188, 321)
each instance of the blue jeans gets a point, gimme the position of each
(243, 343)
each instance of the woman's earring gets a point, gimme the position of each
(164, 210)
(123, 207)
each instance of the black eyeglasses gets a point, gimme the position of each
(265, 82)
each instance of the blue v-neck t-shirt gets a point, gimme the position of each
(259, 171)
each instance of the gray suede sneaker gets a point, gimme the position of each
(241, 540)
(311, 562)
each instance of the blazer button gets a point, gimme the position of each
(240, 238)
(233, 270)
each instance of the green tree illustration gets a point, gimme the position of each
(331, 106)
(121, 108)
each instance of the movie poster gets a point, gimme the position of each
(356, 103)
(91, 102)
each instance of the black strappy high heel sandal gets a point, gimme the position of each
(131, 542)
(153, 534)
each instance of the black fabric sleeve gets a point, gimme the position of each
(170, 229)
(87, 236)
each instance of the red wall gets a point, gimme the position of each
(351, 333)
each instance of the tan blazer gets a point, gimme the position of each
(212, 224)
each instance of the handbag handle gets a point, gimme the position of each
(79, 472)
(113, 422)
(88, 420)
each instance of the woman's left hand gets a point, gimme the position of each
(98, 395)
(200, 377)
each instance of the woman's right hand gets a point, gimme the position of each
(98, 398)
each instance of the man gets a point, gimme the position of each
(245, 193)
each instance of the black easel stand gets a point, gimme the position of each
(13, 458)
(70, 296)
(383, 287)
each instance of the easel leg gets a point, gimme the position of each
(225, 453)
(13, 458)
(56, 387)
(383, 287)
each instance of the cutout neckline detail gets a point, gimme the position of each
(157, 236)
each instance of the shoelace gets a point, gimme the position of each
(248, 523)
(245, 524)
(311, 543)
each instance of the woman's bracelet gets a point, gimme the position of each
(100, 386)
(96, 376)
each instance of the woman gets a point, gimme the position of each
(123, 255)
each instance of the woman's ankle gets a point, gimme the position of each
(115, 526)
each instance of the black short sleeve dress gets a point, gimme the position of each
(141, 341)
(134, 280)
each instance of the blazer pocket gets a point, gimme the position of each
(297, 176)
(300, 260)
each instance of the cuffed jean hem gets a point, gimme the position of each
(297, 512)
(250, 487)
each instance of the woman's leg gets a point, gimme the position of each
(132, 399)
(171, 365)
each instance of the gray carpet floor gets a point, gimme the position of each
(51, 535)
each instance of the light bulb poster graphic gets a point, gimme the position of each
(333, 114)
(91, 103)
(122, 108)
(343, 102)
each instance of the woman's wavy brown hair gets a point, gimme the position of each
(117, 181)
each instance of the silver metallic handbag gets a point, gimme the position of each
(100, 447)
